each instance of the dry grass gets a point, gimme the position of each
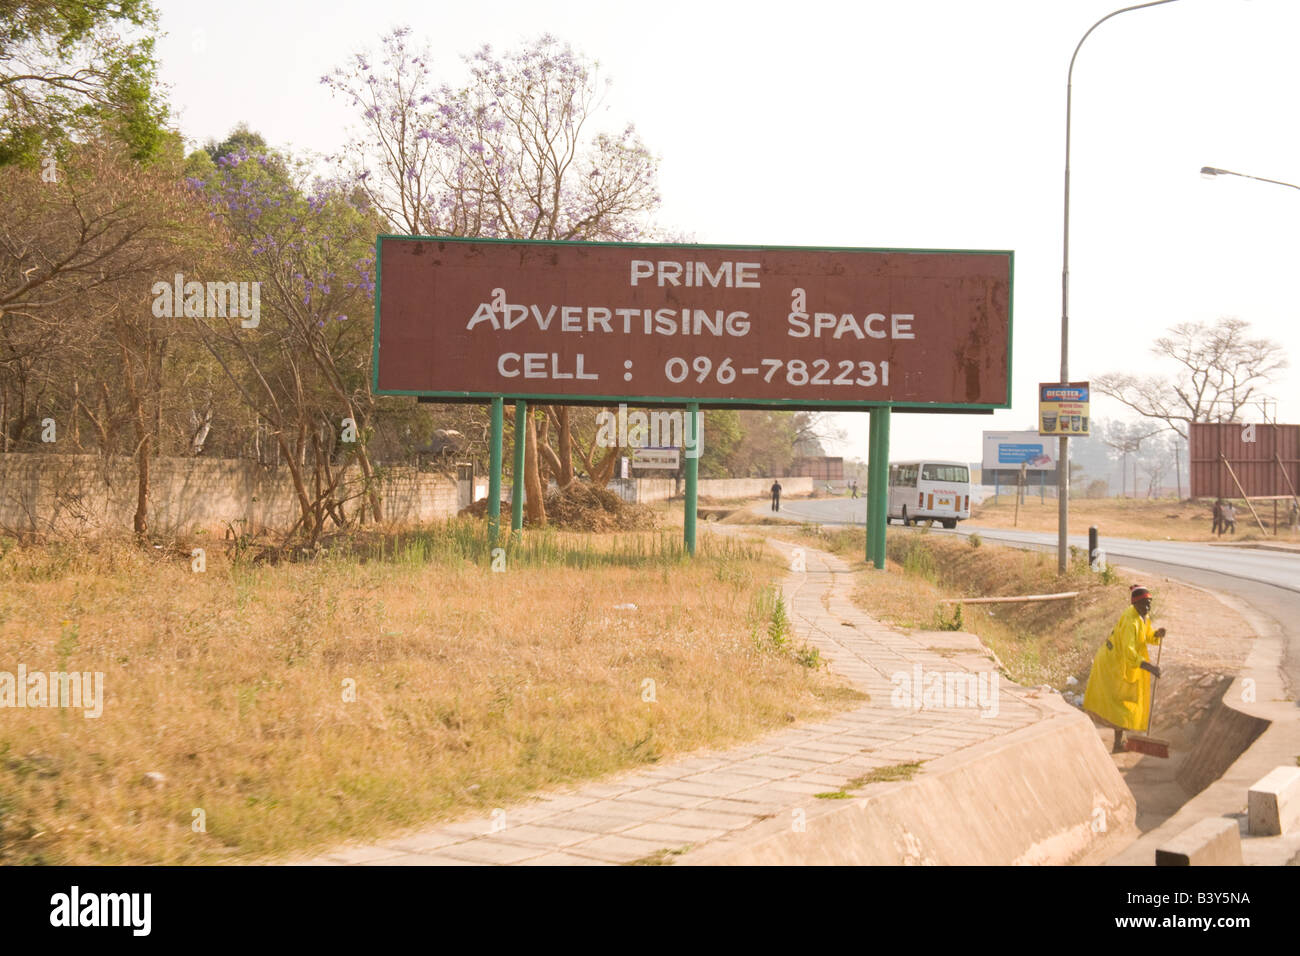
(1157, 519)
(472, 688)
(1041, 643)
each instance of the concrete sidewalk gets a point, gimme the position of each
(707, 806)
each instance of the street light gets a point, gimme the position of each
(1209, 172)
(1063, 454)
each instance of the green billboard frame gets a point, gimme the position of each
(649, 400)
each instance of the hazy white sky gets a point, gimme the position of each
(889, 123)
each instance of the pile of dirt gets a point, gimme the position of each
(583, 507)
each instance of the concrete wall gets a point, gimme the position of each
(645, 490)
(85, 494)
(754, 487)
(1045, 795)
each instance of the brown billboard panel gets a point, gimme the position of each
(721, 325)
(1264, 459)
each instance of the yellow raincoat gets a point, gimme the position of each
(1119, 691)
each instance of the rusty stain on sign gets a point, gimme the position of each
(573, 322)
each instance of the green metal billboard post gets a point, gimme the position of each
(692, 453)
(494, 472)
(517, 488)
(877, 485)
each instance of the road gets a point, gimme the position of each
(1267, 581)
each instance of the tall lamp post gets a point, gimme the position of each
(1209, 172)
(1063, 454)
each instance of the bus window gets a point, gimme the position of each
(954, 473)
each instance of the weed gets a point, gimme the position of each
(808, 656)
(778, 625)
(660, 857)
(975, 540)
(919, 561)
(241, 542)
(69, 641)
(898, 771)
(943, 623)
(833, 795)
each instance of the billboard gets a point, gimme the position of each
(1063, 409)
(1007, 451)
(1236, 459)
(753, 326)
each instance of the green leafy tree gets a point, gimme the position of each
(72, 67)
(722, 435)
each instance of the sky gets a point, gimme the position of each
(918, 124)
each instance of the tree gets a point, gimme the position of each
(722, 435)
(507, 156)
(767, 446)
(1222, 369)
(1159, 458)
(77, 335)
(1126, 439)
(304, 367)
(65, 69)
(812, 430)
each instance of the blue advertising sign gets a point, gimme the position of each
(1013, 450)
(1015, 454)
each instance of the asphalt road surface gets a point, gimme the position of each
(1267, 581)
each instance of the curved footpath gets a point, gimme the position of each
(1013, 776)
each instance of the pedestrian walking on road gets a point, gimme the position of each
(854, 488)
(1119, 685)
(776, 496)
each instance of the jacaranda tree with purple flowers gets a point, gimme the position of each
(305, 367)
(509, 155)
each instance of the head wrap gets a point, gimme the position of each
(1137, 592)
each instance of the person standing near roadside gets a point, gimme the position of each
(1229, 518)
(1217, 527)
(1119, 684)
(776, 495)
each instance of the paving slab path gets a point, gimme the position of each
(660, 812)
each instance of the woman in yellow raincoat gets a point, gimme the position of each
(1119, 685)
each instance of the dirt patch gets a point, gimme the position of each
(1152, 519)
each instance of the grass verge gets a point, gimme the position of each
(252, 710)
(1039, 643)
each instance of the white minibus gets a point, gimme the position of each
(929, 491)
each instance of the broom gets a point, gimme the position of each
(1143, 744)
